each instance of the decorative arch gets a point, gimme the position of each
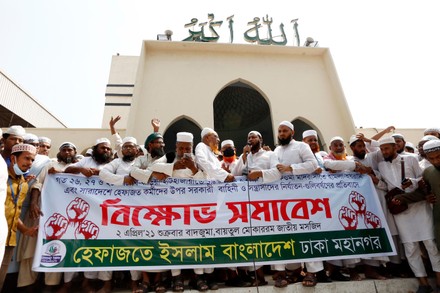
(181, 123)
(239, 108)
(301, 124)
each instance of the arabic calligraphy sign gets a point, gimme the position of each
(254, 34)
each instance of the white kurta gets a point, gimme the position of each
(298, 155)
(265, 161)
(115, 171)
(88, 162)
(340, 165)
(208, 162)
(167, 168)
(416, 223)
(140, 169)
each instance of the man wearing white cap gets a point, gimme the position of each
(423, 162)
(206, 157)
(294, 158)
(337, 159)
(12, 136)
(416, 223)
(89, 166)
(117, 172)
(26, 247)
(310, 137)
(257, 162)
(26, 244)
(227, 149)
(45, 144)
(182, 165)
(22, 156)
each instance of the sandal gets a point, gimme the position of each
(281, 282)
(310, 280)
(199, 284)
(145, 287)
(178, 284)
(160, 287)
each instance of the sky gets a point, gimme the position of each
(386, 53)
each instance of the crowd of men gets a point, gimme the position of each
(391, 162)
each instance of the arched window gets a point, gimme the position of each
(182, 124)
(238, 109)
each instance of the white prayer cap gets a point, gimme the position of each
(429, 137)
(23, 147)
(336, 138)
(431, 146)
(255, 132)
(409, 145)
(30, 138)
(129, 139)
(16, 130)
(226, 142)
(287, 123)
(44, 139)
(67, 144)
(184, 137)
(353, 139)
(310, 132)
(386, 140)
(429, 130)
(102, 140)
(207, 131)
(398, 135)
(89, 152)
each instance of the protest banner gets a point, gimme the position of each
(89, 225)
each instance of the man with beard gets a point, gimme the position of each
(258, 162)
(206, 157)
(65, 157)
(155, 154)
(12, 136)
(89, 166)
(45, 144)
(117, 172)
(310, 137)
(416, 223)
(359, 150)
(294, 158)
(182, 165)
(400, 144)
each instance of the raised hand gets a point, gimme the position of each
(357, 202)
(348, 218)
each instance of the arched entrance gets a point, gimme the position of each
(238, 109)
(182, 124)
